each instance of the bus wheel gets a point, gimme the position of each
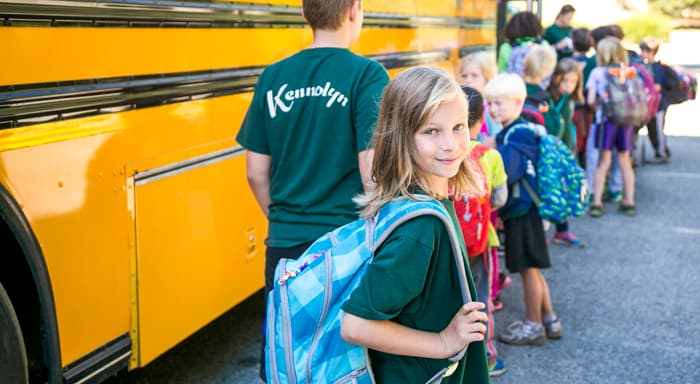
(13, 357)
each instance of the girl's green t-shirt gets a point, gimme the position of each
(413, 281)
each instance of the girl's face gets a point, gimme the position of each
(568, 83)
(442, 144)
(505, 110)
(470, 75)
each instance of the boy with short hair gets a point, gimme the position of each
(539, 64)
(308, 130)
(649, 47)
(526, 246)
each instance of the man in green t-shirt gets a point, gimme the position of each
(559, 33)
(307, 133)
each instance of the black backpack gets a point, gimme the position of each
(673, 89)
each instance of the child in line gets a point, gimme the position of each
(555, 107)
(479, 247)
(610, 54)
(649, 47)
(566, 88)
(523, 29)
(475, 70)
(539, 63)
(583, 114)
(613, 192)
(406, 310)
(526, 246)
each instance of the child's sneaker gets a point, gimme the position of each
(568, 239)
(503, 281)
(497, 368)
(595, 210)
(554, 329)
(524, 333)
(611, 196)
(497, 305)
(628, 209)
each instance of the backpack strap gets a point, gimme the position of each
(403, 210)
(562, 101)
(478, 151)
(530, 191)
(535, 128)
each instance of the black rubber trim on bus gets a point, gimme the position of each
(32, 104)
(102, 362)
(195, 14)
(12, 215)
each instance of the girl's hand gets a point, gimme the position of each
(466, 327)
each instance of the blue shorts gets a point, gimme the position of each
(609, 135)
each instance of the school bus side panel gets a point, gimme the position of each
(73, 197)
(199, 246)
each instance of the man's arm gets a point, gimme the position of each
(258, 173)
(364, 163)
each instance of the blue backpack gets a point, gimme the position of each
(562, 189)
(304, 344)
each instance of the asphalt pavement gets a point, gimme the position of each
(629, 301)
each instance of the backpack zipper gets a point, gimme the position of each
(271, 341)
(286, 330)
(326, 299)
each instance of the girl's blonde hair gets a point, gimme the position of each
(610, 51)
(409, 100)
(564, 67)
(506, 85)
(486, 61)
(539, 61)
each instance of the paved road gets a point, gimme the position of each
(629, 301)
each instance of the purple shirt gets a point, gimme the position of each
(597, 80)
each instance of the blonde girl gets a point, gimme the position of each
(610, 53)
(475, 70)
(407, 310)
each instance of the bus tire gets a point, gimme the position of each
(13, 357)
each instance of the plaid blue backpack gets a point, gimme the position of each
(562, 190)
(304, 308)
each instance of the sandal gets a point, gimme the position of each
(595, 210)
(628, 209)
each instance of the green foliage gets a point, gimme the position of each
(642, 25)
(676, 8)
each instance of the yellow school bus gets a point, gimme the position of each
(126, 220)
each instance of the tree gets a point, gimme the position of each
(678, 9)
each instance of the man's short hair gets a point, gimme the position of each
(326, 14)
